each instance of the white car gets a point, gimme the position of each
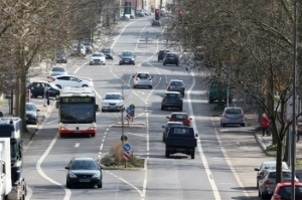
(142, 79)
(113, 101)
(56, 71)
(70, 81)
(97, 58)
(81, 47)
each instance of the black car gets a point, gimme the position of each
(61, 57)
(171, 58)
(32, 113)
(108, 52)
(84, 171)
(172, 99)
(127, 57)
(37, 88)
(169, 125)
(161, 54)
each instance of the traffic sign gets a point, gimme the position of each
(126, 155)
(126, 147)
(128, 110)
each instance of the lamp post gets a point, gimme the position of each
(293, 141)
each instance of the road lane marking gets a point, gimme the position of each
(77, 145)
(200, 150)
(42, 173)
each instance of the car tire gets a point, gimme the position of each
(84, 85)
(243, 125)
(100, 185)
(211, 100)
(162, 108)
(133, 63)
(90, 63)
(150, 86)
(193, 155)
(103, 110)
(68, 185)
(167, 154)
(120, 63)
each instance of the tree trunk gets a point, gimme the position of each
(279, 161)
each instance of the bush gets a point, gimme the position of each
(271, 147)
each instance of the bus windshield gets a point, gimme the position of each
(77, 113)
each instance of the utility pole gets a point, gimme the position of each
(122, 117)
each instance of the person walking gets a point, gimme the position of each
(265, 123)
(46, 97)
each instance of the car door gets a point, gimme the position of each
(75, 82)
(63, 81)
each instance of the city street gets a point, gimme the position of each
(225, 158)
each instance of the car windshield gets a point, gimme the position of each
(105, 50)
(84, 165)
(127, 54)
(58, 69)
(30, 107)
(285, 192)
(54, 86)
(273, 165)
(113, 96)
(285, 175)
(176, 83)
(97, 54)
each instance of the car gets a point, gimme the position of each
(155, 22)
(113, 101)
(283, 191)
(142, 79)
(169, 125)
(97, 58)
(61, 57)
(85, 171)
(37, 88)
(172, 99)
(267, 182)
(232, 116)
(57, 70)
(161, 54)
(180, 117)
(70, 81)
(32, 113)
(139, 13)
(78, 49)
(88, 47)
(267, 165)
(127, 57)
(176, 85)
(108, 52)
(171, 58)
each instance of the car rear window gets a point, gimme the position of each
(58, 69)
(233, 111)
(172, 96)
(181, 132)
(286, 175)
(176, 83)
(143, 76)
(285, 192)
(179, 116)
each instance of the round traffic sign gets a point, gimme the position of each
(126, 147)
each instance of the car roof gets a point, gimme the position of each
(108, 93)
(176, 80)
(83, 158)
(142, 72)
(54, 67)
(172, 92)
(233, 107)
(40, 82)
(174, 122)
(177, 113)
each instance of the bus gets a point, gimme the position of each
(77, 111)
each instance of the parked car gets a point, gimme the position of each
(172, 99)
(155, 22)
(108, 52)
(232, 116)
(169, 125)
(57, 70)
(32, 113)
(171, 58)
(97, 58)
(265, 165)
(161, 54)
(180, 117)
(37, 88)
(177, 85)
(70, 81)
(84, 171)
(283, 191)
(127, 57)
(139, 13)
(61, 57)
(113, 101)
(142, 79)
(267, 182)
(181, 139)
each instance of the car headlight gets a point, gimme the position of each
(96, 175)
(71, 175)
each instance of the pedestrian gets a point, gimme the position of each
(46, 97)
(265, 123)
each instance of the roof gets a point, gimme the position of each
(77, 91)
(176, 80)
(172, 92)
(174, 122)
(177, 113)
(114, 93)
(83, 158)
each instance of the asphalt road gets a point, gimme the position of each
(225, 158)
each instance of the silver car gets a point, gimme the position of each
(113, 101)
(97, 58)
(232, 116)
(142, 79)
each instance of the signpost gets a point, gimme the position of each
(126, 153)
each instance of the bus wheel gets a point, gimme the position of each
(93, 135)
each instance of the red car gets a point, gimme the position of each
(283, 191)
(180, 116)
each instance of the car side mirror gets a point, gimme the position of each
(196, 134)
(168, 117)
(256, 169)
(66, 167)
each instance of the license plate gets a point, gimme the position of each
(77, 132)
(84, 180)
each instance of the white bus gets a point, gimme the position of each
(77, 111)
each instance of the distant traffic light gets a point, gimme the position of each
(157, 14)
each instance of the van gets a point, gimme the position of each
(213, 92)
